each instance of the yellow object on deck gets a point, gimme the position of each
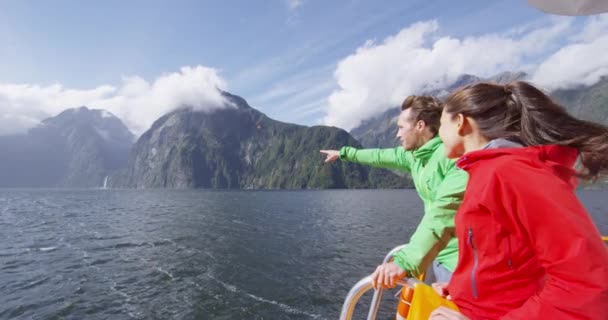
(426, 300)
(405, 300)
(605, 238)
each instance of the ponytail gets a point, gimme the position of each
(522, 113)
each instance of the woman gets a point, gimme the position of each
(528, 248)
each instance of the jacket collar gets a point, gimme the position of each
(471, 157)
(426, 150)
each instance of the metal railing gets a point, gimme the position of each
(360, 288)
(365, 285)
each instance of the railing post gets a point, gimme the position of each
(374, 306)
(362, 287)
(348, 308)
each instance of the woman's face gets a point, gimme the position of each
(449, 132)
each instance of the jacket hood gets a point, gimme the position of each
(559, 159)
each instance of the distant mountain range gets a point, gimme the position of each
(236, 147)
(77, 148)
(586, 102)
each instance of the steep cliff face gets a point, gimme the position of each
(586, 102)
(239, 147)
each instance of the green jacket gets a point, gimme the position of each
(441, 186)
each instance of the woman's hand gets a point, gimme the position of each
(386, 275)
(442, 289)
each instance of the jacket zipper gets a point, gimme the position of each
(510, 257)
(476, 261)
(421, 180)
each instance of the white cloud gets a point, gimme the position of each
(574, 65)
(136, 101)
(379, 76)
(294, 4)
(582, 62)
(595, 27)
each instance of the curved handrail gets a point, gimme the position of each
(375, 304)
(360, 288)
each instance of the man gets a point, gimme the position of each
(438, 181)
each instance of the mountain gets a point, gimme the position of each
(380, 131)
(586, 102)
(77, 148)
(238, 147)
(506, 77)
(589, 103)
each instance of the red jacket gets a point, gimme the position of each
(527, 247)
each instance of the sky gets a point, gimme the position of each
(311, 62)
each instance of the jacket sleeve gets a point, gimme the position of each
(566, 242)
(437, 225)
(393, 158)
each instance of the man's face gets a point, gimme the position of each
(408, 134)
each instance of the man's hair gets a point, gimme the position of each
(425, 108)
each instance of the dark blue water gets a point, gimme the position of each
(116, 254)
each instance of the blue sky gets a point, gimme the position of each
(280, 55)
(83, 43)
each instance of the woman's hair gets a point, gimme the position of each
(425, 108)
(522, 113)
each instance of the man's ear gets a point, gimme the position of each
(420, 125)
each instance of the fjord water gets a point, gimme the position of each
(195, 254)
